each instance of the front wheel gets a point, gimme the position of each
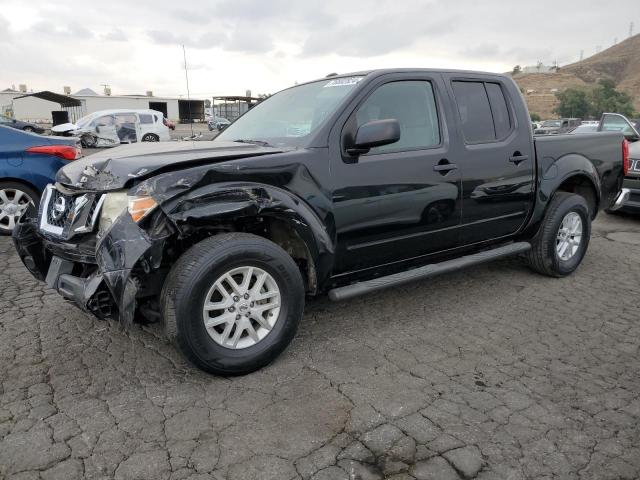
(232, 303)
(561, 243)
(88, 141)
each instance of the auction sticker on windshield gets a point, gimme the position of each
(343, 82)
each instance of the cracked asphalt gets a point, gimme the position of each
(490, 373)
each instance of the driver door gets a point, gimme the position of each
(400, 200)
(105, 129)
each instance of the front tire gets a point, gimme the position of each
(219, 314)
(562, 240)
(88, 141)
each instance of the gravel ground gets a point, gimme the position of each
(490, 373)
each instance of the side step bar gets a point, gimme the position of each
(427, 271)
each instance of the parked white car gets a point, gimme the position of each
(108, 128)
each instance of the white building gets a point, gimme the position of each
(37, 107)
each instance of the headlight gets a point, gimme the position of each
(116, 203)
(140, 207)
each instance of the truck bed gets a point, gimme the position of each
(601, 152)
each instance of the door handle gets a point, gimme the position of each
(517, 159)
(444, 167)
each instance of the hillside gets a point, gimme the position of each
(620, 63)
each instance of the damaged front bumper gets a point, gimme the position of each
(103, 283)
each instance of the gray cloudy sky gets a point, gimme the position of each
(267, 45)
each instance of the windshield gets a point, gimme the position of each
(84, 121)
(551, 123)
(289, 117)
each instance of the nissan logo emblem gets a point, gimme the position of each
(59, 207)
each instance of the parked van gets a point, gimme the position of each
(108, 128)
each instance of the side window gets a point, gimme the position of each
(106, 120)
(145, 118)
(500, 110)
(126, 118)
(475, 111)
(413, 104)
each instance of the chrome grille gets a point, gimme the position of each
(65, 215)
(59, 208)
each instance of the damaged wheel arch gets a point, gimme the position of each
(265, 210)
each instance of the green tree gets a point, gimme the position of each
(573, 103)
(605, 98)
(535, 117)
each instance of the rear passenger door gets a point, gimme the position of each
(146, 124)
(496, 158)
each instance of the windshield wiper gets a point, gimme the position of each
(253, 142)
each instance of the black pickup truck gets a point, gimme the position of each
(345, 186)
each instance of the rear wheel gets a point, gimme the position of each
(15, 200)
(561, 243)
(232, 303)
(150, 137)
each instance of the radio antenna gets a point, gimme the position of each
(186, 76)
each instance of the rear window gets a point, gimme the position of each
(483, 110)
(500, 110)
(145, 118)
(474, 111)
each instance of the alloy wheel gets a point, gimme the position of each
(13, 204)
(241, 307)
(569, 236)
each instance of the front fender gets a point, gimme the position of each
(206, 198)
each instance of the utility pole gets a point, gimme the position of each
(186, 76)
(581, 55)
(631, 29)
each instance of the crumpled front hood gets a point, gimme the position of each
(118, 167)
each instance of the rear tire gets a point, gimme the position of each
(562, 240)
(187, 294)
(150, 137)
(28, 129)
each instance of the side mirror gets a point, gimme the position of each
(375, 134)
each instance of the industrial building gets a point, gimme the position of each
(38, 106)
